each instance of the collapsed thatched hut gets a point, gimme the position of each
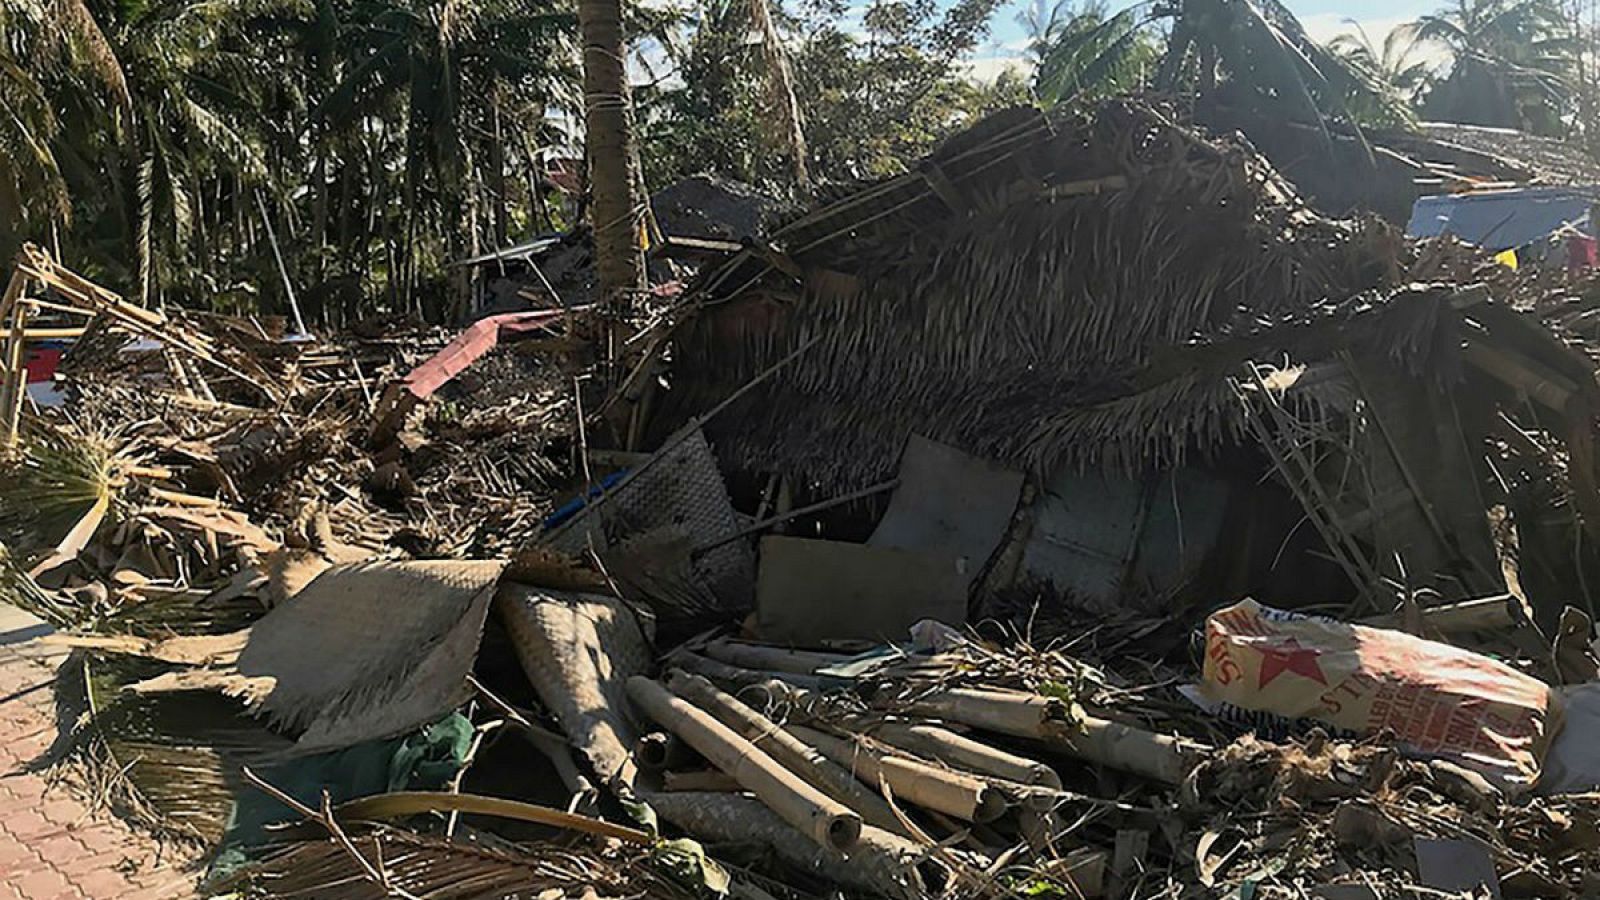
(1149, 322)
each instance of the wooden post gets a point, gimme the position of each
(13, 374)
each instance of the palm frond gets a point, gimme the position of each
(448, 870)
(75, 25)
(56, 475)
(1092, 57)
(171, 762)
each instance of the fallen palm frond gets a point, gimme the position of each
(19, 589)
(439, 869)
(170, 763)
(56, 475)
(399, 804)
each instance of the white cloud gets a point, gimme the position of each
(1324, 27)
(988, 69)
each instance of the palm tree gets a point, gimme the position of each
(1392, 64)
(199, 82)
(433, 82)
(64, 50)
(1509, 62)
(1043, 21)
(1085, 53)
(780, 89)
(613, 157)
(1255, 49)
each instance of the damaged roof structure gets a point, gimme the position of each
(1080, 514)
(1119, 299)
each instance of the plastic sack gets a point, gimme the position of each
(1437, 700)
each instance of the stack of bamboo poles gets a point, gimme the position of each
(902, 802)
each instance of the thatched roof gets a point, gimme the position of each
(1039, 291)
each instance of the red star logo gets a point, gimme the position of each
(1289, 656)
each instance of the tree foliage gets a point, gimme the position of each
(158, 141)
(873, 94)
(164, 144)
(1511, 63)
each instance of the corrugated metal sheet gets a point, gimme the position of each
(949, 505)
(1502, 220)
(1095, 538)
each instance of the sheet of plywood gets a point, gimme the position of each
(808, 591)
(949, 505)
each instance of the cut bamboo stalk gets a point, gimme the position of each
(658, 750)
(880, 862)
(790, 752)
(46, 334)
(1494, 613)
(775, 659)
(725, 674)
(825, 820)
(1067, 729)
(952, 793)
(961, 752)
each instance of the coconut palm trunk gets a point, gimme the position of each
(617, 212)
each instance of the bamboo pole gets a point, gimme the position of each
(725, 674)
(46, 334)
(788, 750)
(825, 820)
(658, 751)
(961, 752)
(699, 780)
(952, 793)
(1501, 611)
(880, 863)
(1067, 729)
(773, 659)
(13, 375)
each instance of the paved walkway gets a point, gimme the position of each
(52, 846)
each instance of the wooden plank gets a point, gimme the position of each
(46, 334)
(13, 375)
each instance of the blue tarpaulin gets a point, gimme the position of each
(1504, 220)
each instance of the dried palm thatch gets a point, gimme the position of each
(423, 866)
(170, 763)
(367, 650)
(1023, 296)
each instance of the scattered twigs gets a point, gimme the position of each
(325, 818)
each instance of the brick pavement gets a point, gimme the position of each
(52, 846)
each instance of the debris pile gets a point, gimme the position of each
(1078, 515)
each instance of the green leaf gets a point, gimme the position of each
(687, 861)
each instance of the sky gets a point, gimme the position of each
(1323, 19)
